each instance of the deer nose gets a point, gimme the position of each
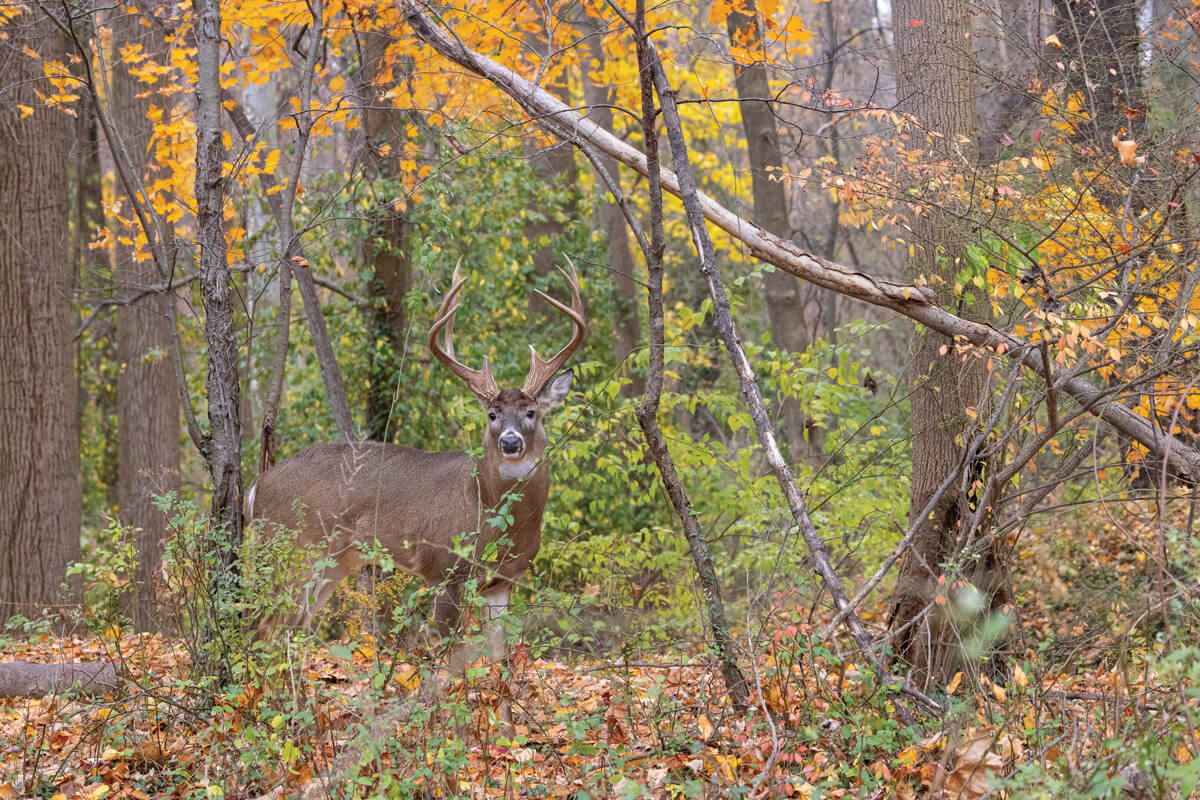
(511, 444)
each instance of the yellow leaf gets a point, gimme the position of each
(729, 765)
(1019, 677)
(25, 110)
(998, 690)
(706, 727)
(954, 682)
(408, 677)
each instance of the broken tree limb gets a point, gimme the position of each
(27, 679)
(913, 302)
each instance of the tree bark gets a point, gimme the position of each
(388, 248)
(39, 439)
(934, 68)
(148, 450)
(790, 315)
(1102, 48)
(224, 450)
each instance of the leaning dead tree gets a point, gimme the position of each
(914, 302)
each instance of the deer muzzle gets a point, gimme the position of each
(512, 444)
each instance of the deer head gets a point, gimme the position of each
(515, 438)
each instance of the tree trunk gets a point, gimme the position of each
(553, 161)
(39, 440)
(934, 67)
(1102, 51)
(224, 448)
(147, 400)
(92, 273)
(599, 97)
(794, 313)
(388, 247)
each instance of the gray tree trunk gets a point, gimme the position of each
(792, 307)
(224, 447)
(599, 97)
(39, 440)
(148, 450)
(934, 65)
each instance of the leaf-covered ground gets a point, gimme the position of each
(1097, 693)
(583, 729)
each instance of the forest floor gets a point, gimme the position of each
(1078, 712)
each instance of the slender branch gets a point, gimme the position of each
(292, 253)
(723, 319)
(647, 410)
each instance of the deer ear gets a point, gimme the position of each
(556, 391)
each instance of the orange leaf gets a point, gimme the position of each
(1126, 148)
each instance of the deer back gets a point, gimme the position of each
(343, 497)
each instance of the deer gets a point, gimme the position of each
(343, 497)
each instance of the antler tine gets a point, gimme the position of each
(479, 381)
(541, 370)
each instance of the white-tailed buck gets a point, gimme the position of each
(421, 505)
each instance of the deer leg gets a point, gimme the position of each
(322, 589)
(447, 607)
(495, 603)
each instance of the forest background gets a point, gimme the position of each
(880, 482)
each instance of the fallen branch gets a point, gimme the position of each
(916, 303)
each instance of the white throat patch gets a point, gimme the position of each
(516, 470)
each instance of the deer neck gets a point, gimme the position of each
(527, 476)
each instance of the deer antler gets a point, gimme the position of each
(541, 371)
(479, 381)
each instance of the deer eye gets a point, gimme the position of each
(492, 416)
(530, 413)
